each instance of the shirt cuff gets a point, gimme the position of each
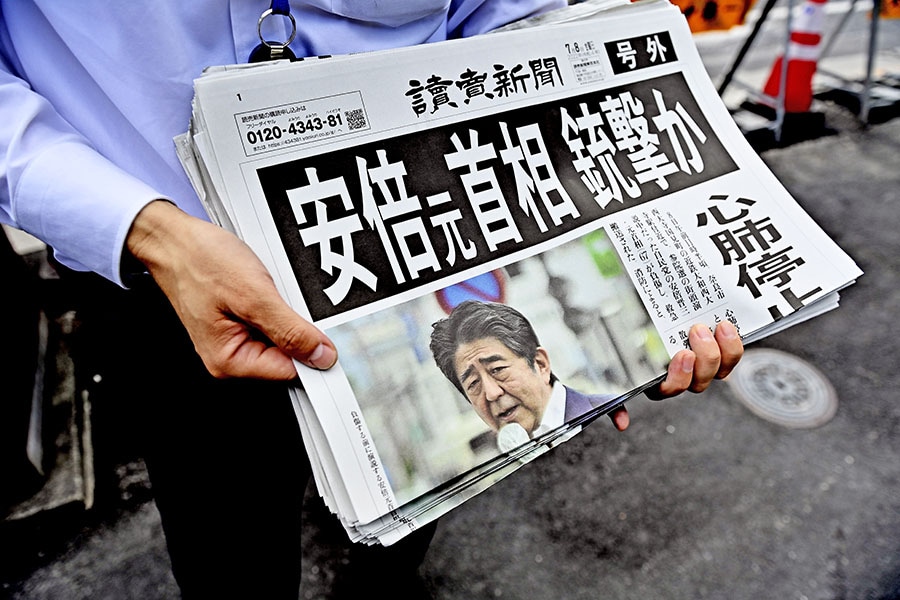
(82, 206)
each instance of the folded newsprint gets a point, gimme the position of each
(437, 210)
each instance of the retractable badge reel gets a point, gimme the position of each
(269, 50)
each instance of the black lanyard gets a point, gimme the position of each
(269, 50)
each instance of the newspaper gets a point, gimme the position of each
(580, 169)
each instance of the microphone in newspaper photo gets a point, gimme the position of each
(511, 436)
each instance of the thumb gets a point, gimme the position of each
(620, 418)
(298, 338)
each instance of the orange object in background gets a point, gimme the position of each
(890, 9)
(802, 56)
(713, 15)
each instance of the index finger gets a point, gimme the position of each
(731, 348)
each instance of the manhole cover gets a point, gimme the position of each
(783, 388)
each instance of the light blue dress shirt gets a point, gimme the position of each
(92, 93)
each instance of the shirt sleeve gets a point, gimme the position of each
(56, 187)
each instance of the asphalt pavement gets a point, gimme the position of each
(700, 498)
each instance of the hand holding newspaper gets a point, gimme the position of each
(546, 209)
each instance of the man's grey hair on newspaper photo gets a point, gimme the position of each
(473, 320)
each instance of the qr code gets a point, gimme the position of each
(356, 118)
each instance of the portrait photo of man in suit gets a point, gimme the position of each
(492, 355)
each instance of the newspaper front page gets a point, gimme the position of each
(583, 173)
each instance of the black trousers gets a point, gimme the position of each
(226, 459)
(20, 305)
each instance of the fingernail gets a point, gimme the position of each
(728, 329)
(323, 357)
(704, 333)
(687, 362)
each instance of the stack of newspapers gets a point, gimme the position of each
(579, 169)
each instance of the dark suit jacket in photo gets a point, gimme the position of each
(577, 403)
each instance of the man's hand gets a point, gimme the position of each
(225, 297)
(712, 356)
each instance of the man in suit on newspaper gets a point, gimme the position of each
(491, 353)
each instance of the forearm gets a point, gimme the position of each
(56, 187)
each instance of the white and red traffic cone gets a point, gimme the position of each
(802, 55)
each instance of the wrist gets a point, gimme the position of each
(152, 234)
